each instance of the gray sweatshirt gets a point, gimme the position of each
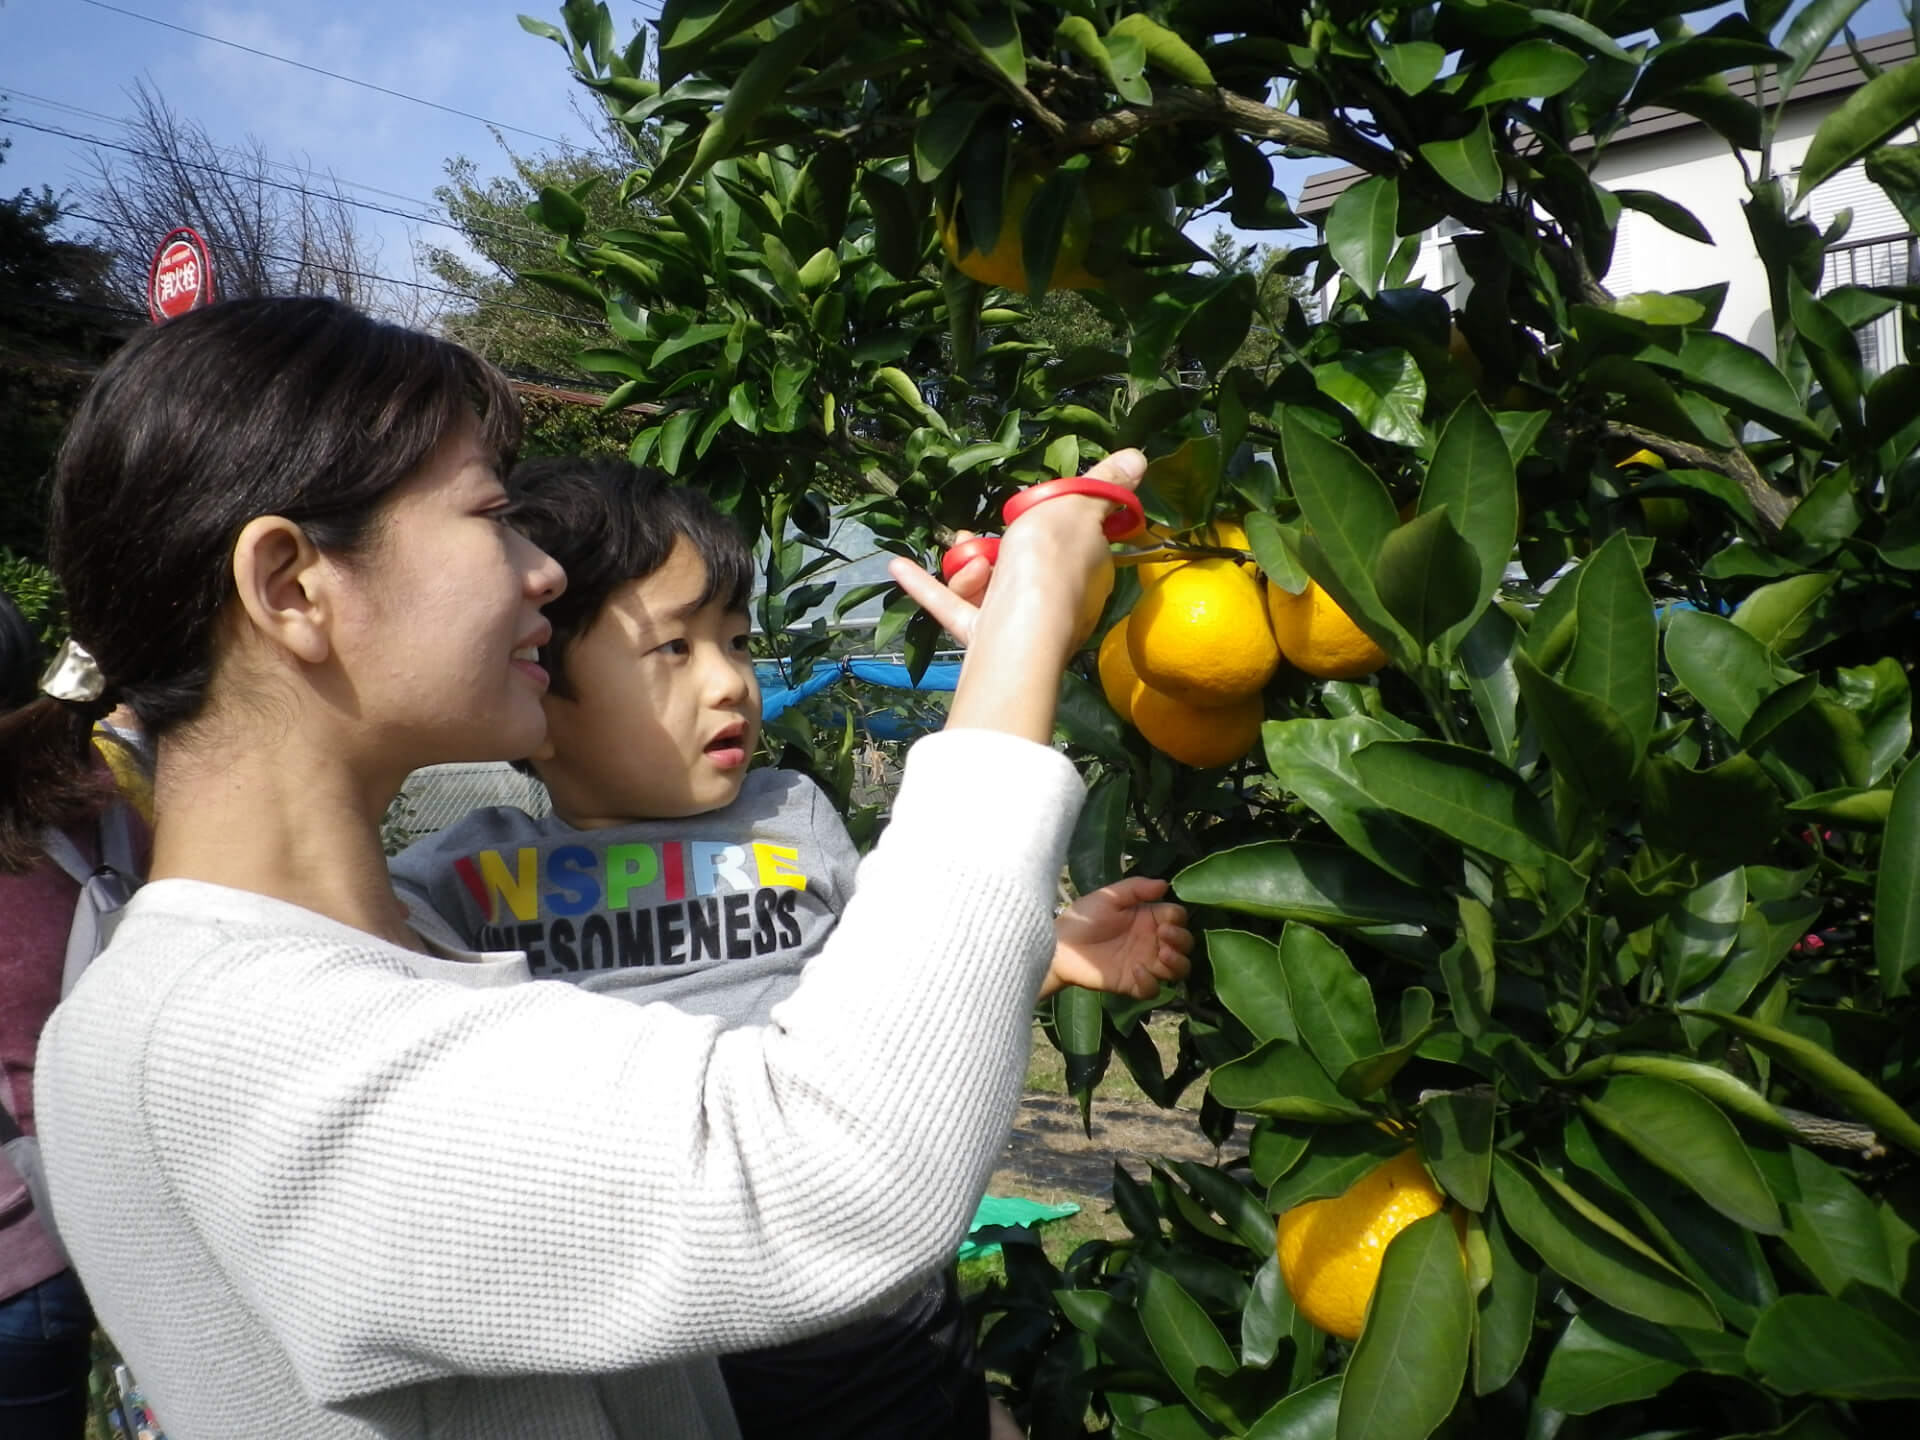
(714, 913)
(320, 1186)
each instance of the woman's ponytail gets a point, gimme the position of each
(47, 775)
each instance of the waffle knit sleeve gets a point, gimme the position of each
(408, 1180)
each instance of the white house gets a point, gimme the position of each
(1676, 156)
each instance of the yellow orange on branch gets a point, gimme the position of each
(1201, 634)
(1331, 1249)
(1318, 638)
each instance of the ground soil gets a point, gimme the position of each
(1051, 1155)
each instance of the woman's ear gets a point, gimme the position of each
(282, 585)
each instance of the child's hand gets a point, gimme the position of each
(1118, 940)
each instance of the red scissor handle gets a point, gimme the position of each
(1127, 519)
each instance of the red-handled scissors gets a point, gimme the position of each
(1127, 518)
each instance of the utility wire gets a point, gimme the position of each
(333, 197)
(331, 74)
(12, 92)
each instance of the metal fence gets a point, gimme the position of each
(1885, 261)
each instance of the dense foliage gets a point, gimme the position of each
(1607, 893)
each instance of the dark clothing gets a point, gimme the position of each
(46, 1335)
(916, 1378)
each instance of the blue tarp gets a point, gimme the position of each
(776, 695)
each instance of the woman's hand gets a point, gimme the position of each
(1045, 559)
(1117, 939)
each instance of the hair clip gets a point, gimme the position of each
(74, 675)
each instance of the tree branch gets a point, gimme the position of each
(1181, 104)
(1769, 504)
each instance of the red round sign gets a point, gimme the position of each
(181, 276)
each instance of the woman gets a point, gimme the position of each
(321, 1183)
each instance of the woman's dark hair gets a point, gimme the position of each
(608, 522)
(298, 407)
(22, 656)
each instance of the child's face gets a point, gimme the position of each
(666, 710)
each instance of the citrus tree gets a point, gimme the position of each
(1528, 722)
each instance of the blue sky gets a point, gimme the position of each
(466, 54)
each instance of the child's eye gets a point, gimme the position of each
(676, 647)
(740, 644)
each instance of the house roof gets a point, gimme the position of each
(1834, 71)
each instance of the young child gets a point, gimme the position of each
(671, 871)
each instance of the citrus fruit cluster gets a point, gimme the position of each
(1186, 666)
(1330, 1250)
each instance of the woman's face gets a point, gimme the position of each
(444, 626)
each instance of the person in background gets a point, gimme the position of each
(675, 873)
(325, 1179)
(46, 1327)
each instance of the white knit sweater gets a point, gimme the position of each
(316, 1190)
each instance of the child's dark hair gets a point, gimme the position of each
(609, 522)
(293, 406)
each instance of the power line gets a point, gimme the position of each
(335, 197)
(13, 92)
(332, 74)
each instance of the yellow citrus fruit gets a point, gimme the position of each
(1203, 737)
(1317, 638)
(1460, 351)
(1330, 1250)
(1666, 516)
(1005, 263)
(1642, 457)
(1117, 678)
(1201, 634)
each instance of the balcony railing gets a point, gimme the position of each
(1890, 260)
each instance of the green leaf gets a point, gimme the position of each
(1429, 577)
(1313, 758)
(1659, 208)
(1808, 36)
(1318, 884)
(1360, 231)
(1078, 1021)
(1743, 379)
(1606, 1358)
(1613, 650)
(1307, 1414)
(1183, 1336)
(1587, 1255)
(1832, 1228)
(1654, 307)
(1726, 816)
(1696, 937)
(1244, 1211)
(1872, 114)
(1339, 1156)
(1471, 474)
(1723, 667)
(941, 136)
(1187, 480)
(1330, 1002)
(1467, 164)
(1372, 1073)
(1165, 50)
(1093, 854)
(1811, 1344)
(995, 36)
(1779, 615)
(1461, 792)
(1248, 979)
(1828, 1074)
(757, 87)
(1503, 1328)
(1112, 1324)
(1487, 654)
(1081, 717)
(1531, 70)
(1896, 892)
(1349, 514)
(1407, 1366)
(1268, 1316)
(1456, 1140)
(1589, 745)
(1414, 65)
(1382, 389)
(1683, 1133)
(559, 211)
(1283, 1081)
